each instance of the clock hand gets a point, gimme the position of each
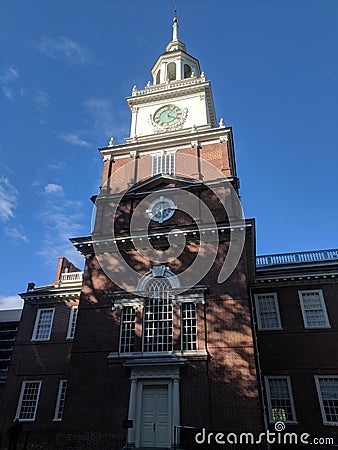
(170, 114)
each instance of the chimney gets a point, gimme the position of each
(30, 287)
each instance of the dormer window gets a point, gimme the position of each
(187, 71)
(158, 77)
(171, 71)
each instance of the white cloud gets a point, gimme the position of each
(57, 165)
(101, 111)
(41, 98)
(10, 302)
(6, 78)
(52, 188)
(75, 139)
(16, 234)
(8, 199)
(8, 92)
(61, 222)
(9, 75)
(63, 48)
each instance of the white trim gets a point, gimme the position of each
(320, 398)
(37, 319)
(268, 396)
(58, 400)
(157, 271)
(323, 307)
(259, 312)
(22, 392)
(73, 311)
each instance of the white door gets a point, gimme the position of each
(155, 431)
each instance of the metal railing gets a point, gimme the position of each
(297, 258)
(71, 277)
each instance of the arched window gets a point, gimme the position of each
(187, 71)
(171, 71)
(159, 290)
(158, 317)
(158, 75)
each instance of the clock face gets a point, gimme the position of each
(168, 115)
(161, 209)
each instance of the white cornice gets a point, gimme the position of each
(158, 90)
(173, 140)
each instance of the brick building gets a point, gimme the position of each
(294, 297)
(174, 323)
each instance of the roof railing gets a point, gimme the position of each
(297, 258)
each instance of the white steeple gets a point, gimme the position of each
(175, 63)
(175, 44)
(178, 99)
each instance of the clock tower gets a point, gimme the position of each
(164, 336)
(179, 98)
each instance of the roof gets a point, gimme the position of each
(10, 315)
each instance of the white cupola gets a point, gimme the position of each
(175, 63)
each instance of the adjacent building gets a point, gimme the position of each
(296, 326)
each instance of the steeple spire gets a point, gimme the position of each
(175, 26)
(175, 44)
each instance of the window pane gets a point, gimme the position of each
(280, 399)
(72, 322)
(329, 393)
(43, 324)
(28, 400)
(127, 329)
(158, 326)
(189, 328)
(267, 311)
(164, 162)
(314, 309)
(60, 402)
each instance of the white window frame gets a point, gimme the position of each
(72, 322)
(167, 164)
(268, 396)
(320, 397)
(158, 303)
(189, 339)
(125, 331)
(37, 319)
(323, 306)
(60, 400)
(258, 312)
(22, 392)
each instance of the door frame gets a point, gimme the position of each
(153, 372)
(141, 384)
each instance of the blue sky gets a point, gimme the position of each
(67, 66)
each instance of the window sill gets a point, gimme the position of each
(288, 422)
(116, 355)
(330, 424)
(270, 329)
